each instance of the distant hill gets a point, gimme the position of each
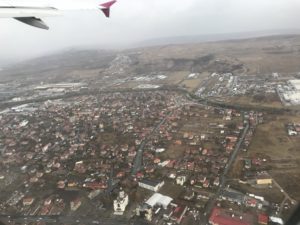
(61, 62)
(213, 37)
(252, 56)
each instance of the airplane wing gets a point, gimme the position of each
(28, 15)
(31, 15)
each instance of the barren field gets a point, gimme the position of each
(191, 85)
(176, 77)
(174, 152)
(273, 102)
(271, 140)
(273, 194)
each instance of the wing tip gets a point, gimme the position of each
(106, 7)
(106, 12)
(108, 4)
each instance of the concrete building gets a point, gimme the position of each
(120, 203)
(181, 180)
(233, 196)
(159, 200)
(264, 181)
(144, 212)
(295, 84)
(151, 184)
(290, 93)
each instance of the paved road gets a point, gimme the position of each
(286, 196)
(223, 179)
(138, 161)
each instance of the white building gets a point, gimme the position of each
(181, 180)
(159, 200)
(292, 132)
(295, 84)
(120, 203)
(290, 93)
(151, 185)
(160, 150)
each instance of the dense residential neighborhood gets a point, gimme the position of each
(154, 154)
(159, 147)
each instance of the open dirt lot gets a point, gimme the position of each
(272, 141)
(248, 100)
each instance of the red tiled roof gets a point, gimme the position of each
(95, 185)
(263, 219)
(220, 217)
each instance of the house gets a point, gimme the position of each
(206, 183)
(160, 150)
(264, 179)
(263, 219)
(61, 184)
(27, 201)
(181, 180)
(217, 181)
(151, 185)
(189, 195)
(292, 132)
(276, 220)
(251, 202)
(178, 214)
(144, 212)
(75, 204)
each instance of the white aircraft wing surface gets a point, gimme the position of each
(30, 14)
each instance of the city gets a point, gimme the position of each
(140, 149)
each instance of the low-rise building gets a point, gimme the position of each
(181, 180)
(75, 204)
(221, 216)
(151, 184)
(28, 201)
(178, 214)
(233, 196)
(264, 180)
(263, 219)
(159, 200)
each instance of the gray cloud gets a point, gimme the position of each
(138, 20)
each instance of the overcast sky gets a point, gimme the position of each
(138, 20)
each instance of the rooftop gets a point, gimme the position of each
(159, 199)
(223, 217)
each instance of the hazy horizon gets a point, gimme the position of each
(136, 21)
